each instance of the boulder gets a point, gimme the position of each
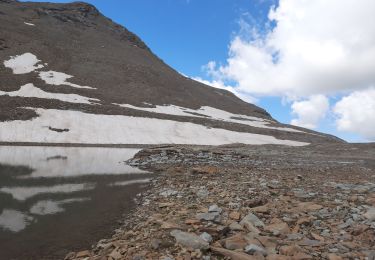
(189, 240)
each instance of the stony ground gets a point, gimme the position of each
(250, 202)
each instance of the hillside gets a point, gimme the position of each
(71, 75)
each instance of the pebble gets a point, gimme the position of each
(206, 237)
(235, 226)
(252, 249)
(203, 193)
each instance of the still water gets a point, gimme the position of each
(57, 199)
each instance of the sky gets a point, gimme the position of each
(308, 63)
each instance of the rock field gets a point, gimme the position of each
(250, 202)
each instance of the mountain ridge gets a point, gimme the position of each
(83, 61)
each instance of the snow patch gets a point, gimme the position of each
(59, 78)
(212, 113)
(23, 64)
(29, 90)
(117, 129)
(28, 62)
(30, 24)
(168, 109)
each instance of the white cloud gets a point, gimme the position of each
(356, 113)
(316, 50)
(310, 111)
(307, 52)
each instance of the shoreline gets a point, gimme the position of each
(80, 145)
(244, 203)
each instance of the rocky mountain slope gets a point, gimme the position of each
(70, 75)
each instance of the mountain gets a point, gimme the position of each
(70, 75)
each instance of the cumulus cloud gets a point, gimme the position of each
(314, 50)
(356, 113)
(310, 111)
(316, 47)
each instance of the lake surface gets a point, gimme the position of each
(54, 200)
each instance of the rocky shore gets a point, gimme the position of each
(250, 202)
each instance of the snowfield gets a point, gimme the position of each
(28, 62)
(116, 129)
(66, 126)
(59, 78)
(211, 113)
(29, 90)
(23, 64)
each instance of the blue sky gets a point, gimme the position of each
(184, 33)
(187, 34)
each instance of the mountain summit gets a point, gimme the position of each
(71, 75)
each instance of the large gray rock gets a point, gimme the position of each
(203, 192)
(214, 208)
(235, 226)
(210, 216)
(254, 220)
(206, 237)
(190, 240)
(168, 193)
(370, 214)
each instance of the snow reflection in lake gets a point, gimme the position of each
(78, 192)
(49, 161)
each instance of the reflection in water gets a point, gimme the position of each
(124, 183)
(46, 207)
(69, 161)
(79, 193)
(49, 207)
(24, 193)
(14, 220)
